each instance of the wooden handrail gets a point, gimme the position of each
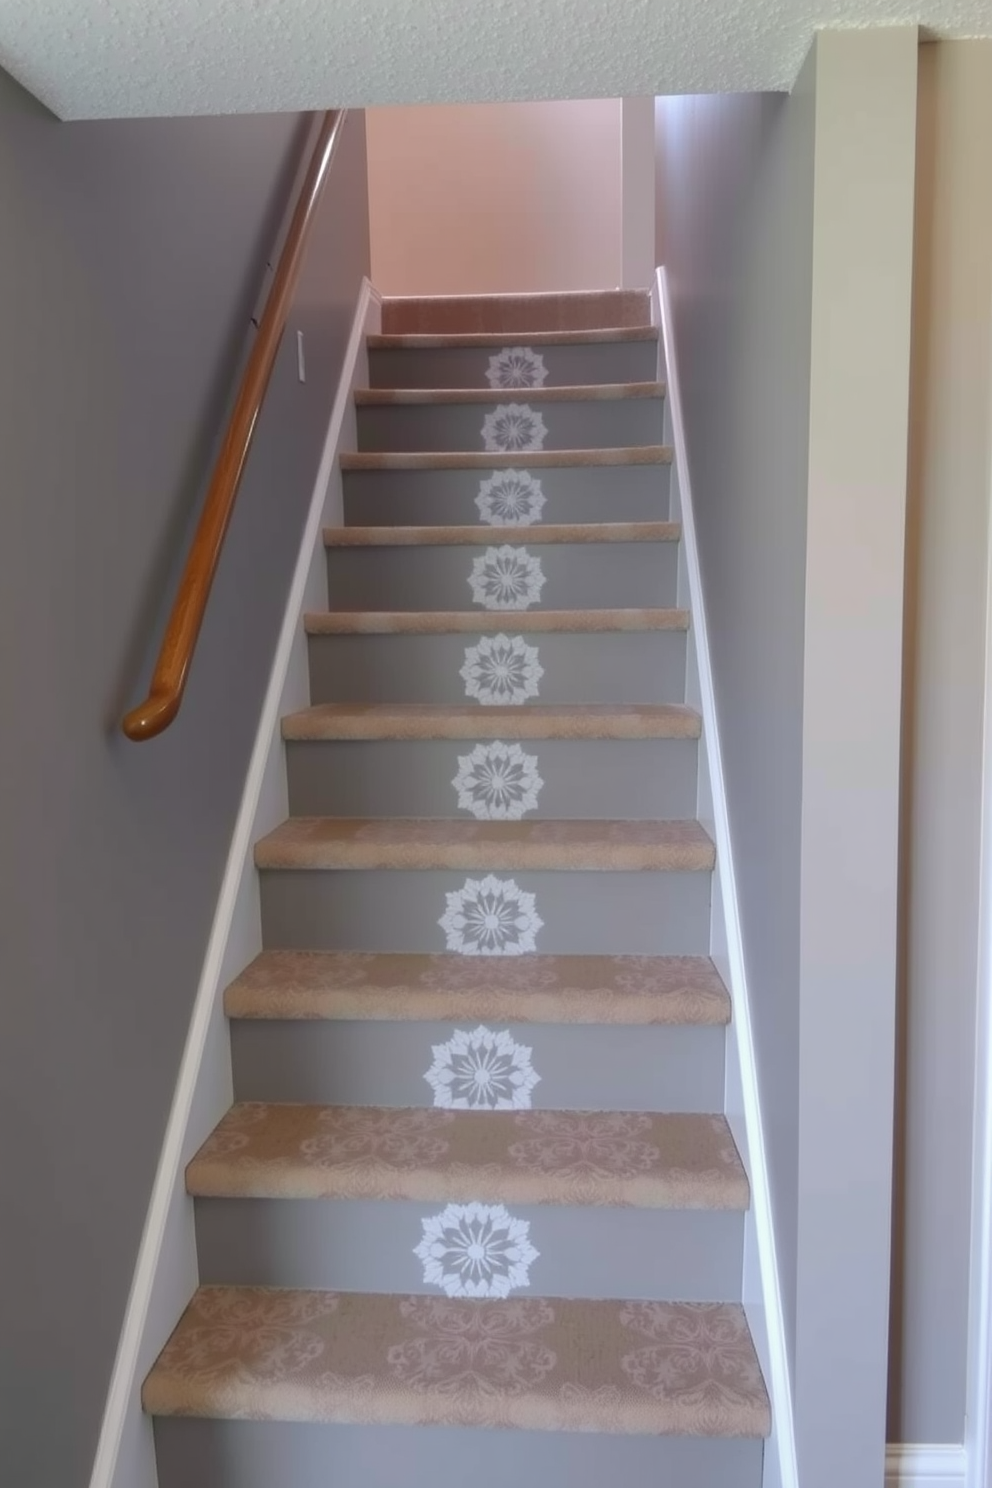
(179, 642)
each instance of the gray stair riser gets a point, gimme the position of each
(577, 493)
(613, 778)
(593, 423)
(281, 1454)
(618, 667)
(468, 366)
(576, 576)
(581, 1066)
(641, 914)
(367, 1245)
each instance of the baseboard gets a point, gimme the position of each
(765, 1311)
(165, 1274)
(908, 1465)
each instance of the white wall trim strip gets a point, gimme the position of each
(779, 1383)
(978, 1419)
(165, 1272)
(924, 1466)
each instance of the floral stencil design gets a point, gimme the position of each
(363, 1135)
(251, 1333)
(516, 367)
(700, 1355)
(510, 498)
(458, 974)
(497, 782)
(639, 975)
(506, 578)
(476, 1250)
(474, 1356)
(501, 669)
(234, 1133)
(482, 1071)
(608, 1143)
(513, 427)
(490, 917)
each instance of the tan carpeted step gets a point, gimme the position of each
(465, 340)
(577, 310)
(468, 721)
(640, 454)
(659, 1368)
(327, 842)
(561, 532)
(677, 1160)
(356, 985)
(587, 392)
(449, 622)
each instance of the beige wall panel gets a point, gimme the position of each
(496, 198)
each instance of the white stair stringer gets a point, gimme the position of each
(762, 1295)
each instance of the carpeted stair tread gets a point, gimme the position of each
(656, 1368)
(473, 622)
(678, 1160)
(499, 721)
(571, 310)
(586, 392)
(356, 985)
(639, 454)
(465, 340)
(329, 842)
(561, 532)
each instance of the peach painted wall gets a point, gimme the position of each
(490, 198)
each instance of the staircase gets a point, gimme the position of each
(475, 1216)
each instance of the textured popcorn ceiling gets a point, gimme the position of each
(106, 58)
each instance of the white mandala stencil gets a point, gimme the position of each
(490, 917)
(476, 1250)
(501, 669)
(516, 367)
(497, 782)
(506, 578)
(482, 1071)
(514, 427)
(510, 498)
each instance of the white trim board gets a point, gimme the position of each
(165, 1275)
(978, 1409)
(762, 1294)
(910, 1466)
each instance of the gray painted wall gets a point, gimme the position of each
(131, 256)
(735, 223)
(947, 560)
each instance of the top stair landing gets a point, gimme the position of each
(522, 341)
(582, 310)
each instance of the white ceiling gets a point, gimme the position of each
(106, 58)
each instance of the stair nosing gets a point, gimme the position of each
(352, 1336)
(410, 721)
(309, 1150)
(638, 454)
(499, 622)
(630, 991)
(328, 843)
(455, 340)
(588, 392)
(455, 535)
